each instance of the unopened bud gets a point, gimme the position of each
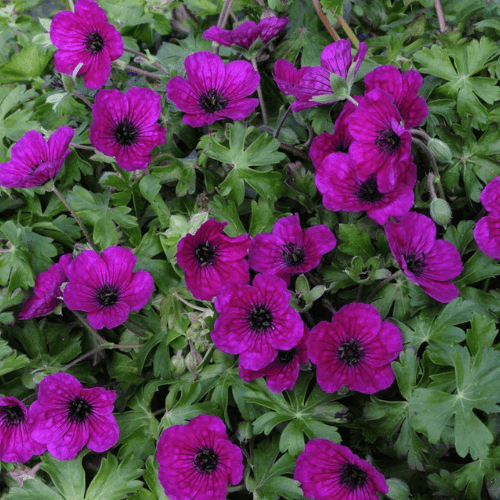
(193, 360)
(178, 363)
(245, 431)
(440, 150)
(398, 490)
(440, 212)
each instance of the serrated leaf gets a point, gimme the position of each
(355, 241)
(481, 334)
(68, 476)
(33, 489)
(11, 360)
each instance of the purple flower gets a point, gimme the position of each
(335, 58)
(344, 187)
(214, 91)
(85, 36)
(246, 33)
(125, 126)
(33, 161)
(355, 350)
(105, 287)
(380, 143)
(255, 321)
(47, 290)
(66, 417)
(197, 460)
(16, 444)
(404, 88)
(328, 471)
(289, 249)
(487, 230)
(211, 259)
(425, 261)
(339, 141)
(283, 372)
(287, 76)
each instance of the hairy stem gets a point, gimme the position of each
(136, 70)
(430, 185)
(261, 96)
(100, 348)
(78, 221)
(432, 161)
(81, 146)
(348, 30)
(156, 64)
(240, 487)
(85, 323)
(83, 98)
(224, 13)
(295, 151)
(71, 5)
(421, 133)
(282, 122)
(440, 15)
(381, 285)
(184, 301)
(325, 21)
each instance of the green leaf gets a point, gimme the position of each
(355, 241)
(263, 217)
(33, 489)
(227, 211)
(68, 476)
(481, 334)
(26, 65)
(478, 268)
(11, 360)
(115, 481)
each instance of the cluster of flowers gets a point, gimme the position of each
(257, 322)
(197, 461)
(102, 285)
(65, 418)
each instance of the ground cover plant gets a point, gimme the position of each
(249, 249)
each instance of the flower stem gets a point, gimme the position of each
(351, 99)
(295, 151)
(421, 133)
(231, 489)
(177, 296)
(71, 6)
(90, 329)
(137, 70)
(83, 98)
(156, 64)
(81, 146)
(261, 96)
(348, 30)
(430, 185)
(440, 15)
(78, 221)
(224, 13)
(282, 122)
(381, 285)
(325, 21)
(432, 161)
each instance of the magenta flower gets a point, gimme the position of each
(487, 230)
(197, 460)
(16, 444)
(246, 33)
(283, 372)
(328, 471)
(355, 350)
(255, 321)
(338, 142)
(33, 161)
(380, 143)
(289, 249)
(287, 76)
(404, 89)
(66, 417)
(85, 36)
(344, 187)
(335, 58)
(105, 287)
(47, 292)
(429, 263)
(125, 126)
(211, 259)
(214, 91)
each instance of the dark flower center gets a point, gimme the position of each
(415, 263)
(94, 43)
(352, 476)
(260, 318)
(212, 101)
(107, 295)
(293, 255)
(388, 141)
(79, 410)
(126, 132)
(206, 460)
(285, 357)
(205, 253)
(368, 191)
(12, 415)
(350, 352)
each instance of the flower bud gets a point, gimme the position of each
(193, 360)
(178, 363)
(245, 431)
(440, 150)
(440, 212)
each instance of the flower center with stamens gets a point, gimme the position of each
(388, 141)
(285, 357)
(205, 253)
(107, 295)
(213, 101)
(126, 132)
(12, 415)
(368, 191)
(352, 476)
(350, 352)
(79, 410)
(293, 255)
(260, 319)
(206, 460)
(94, 43)
(415, 263)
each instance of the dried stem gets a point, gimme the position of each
(261, 97)
(348, 30)
(137, 70)
(325, 21)
(83, 98)
(282, 122)
(381, 285)
(440, 15)
(433, 163)
(81, 146)
(90, 329)
(100, 348)
(78, 221)
(156, 64)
